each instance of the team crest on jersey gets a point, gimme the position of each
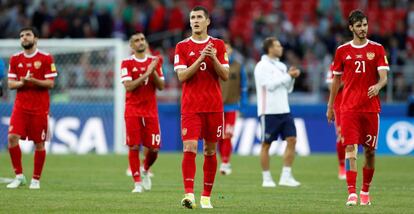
(37, 64)
(184, 131)
(53, 67)
(370, 55)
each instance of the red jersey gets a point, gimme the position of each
(202, 92)
(31, 98)
(338, 98)
(359, 66)
(142, 101)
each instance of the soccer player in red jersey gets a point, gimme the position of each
(234, 92)
(362, 65)
(141, 75)
(31, 73)
(340, 148)
(200, 61)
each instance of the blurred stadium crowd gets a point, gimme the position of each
(309, 30)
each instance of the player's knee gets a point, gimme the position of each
(13, 140)
(153, 150)
(40, 146)
(265, 146)
(291, 140)
(351, 151)
(369, 153)
(190, 147)
(134, 147)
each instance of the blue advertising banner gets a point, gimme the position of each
(89, 128)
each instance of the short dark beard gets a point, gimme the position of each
(28, 46)
(140, 50)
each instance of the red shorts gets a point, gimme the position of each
(31, 126)
(360, 128)
(205, 125)
(229, 122)
(145, 130)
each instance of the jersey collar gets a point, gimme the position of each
(200, 42)
(140, 60)
(359, 46)
(31, 55)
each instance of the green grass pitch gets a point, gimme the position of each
(98, 184)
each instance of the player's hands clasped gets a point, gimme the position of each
(294, 72)
(209, 50)
(373, 91)
(153, 64)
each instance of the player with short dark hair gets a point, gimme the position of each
(362, 64)
(141, 75)
(31, 73)
(274, 81)
(200, 61)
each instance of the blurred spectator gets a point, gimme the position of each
(309, 30)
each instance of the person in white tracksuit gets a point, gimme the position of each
(273, 83)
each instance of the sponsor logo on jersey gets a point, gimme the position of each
(191, 53)
(370, 55)
(359, 56)
(142, 68)
(37, 64)
(348, 57)
(20, 65)
(29, 65)
(134, 69)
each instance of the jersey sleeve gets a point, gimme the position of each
(159, 69)
(222, 54)
(50, 68)
(382, 63)
(12, 75)
(125, 73)
(337, 65)
(180, 61)
(329, 75)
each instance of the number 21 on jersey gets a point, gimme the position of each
(360, 66)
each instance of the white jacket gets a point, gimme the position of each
(273, 84)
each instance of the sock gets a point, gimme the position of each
(16, 159)
(340, 151)
(150, 159)
(367, 175)
(350, 177)
(188, 167)
(133, 157)
(266, 175)
(39, 161)
(225, 150)
(286, 171)
(209, 168)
